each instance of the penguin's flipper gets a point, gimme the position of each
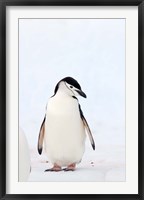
(41, 136)
(87, 128)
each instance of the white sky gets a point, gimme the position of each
(90, 50)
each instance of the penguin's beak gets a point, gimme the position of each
(81, 93)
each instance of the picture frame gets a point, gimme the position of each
(4, 90)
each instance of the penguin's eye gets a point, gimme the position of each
(71, 86)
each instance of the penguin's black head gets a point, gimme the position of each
(70, 86)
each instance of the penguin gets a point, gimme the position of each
(63, 130)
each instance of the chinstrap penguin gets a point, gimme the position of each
(63, 130)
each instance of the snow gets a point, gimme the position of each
(104, 164)
(24, 157)
(93, 52)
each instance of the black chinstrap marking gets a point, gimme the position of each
(74, 97)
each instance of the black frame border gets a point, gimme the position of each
(3, 5)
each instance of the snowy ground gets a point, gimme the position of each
(106, 163)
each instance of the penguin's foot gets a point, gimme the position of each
(55, 168)
(70, 167)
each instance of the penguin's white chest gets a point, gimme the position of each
(64, 131)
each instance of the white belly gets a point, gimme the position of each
(64, 134)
